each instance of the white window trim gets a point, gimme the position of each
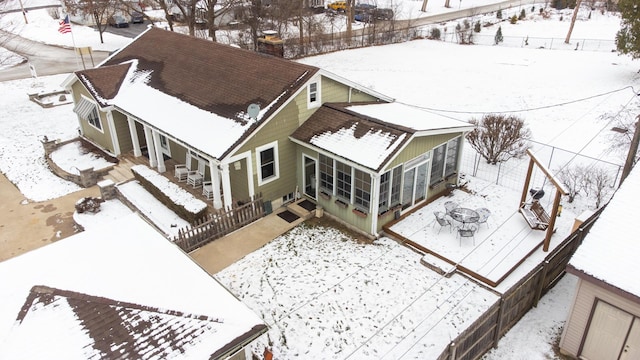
(276, 161)
(101, 129)
(318, 101)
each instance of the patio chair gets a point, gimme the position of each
(442, 220)
(196, 177)
(468, 232)
(450, 205)
(207, 190)
(181, 171)
(484, 215)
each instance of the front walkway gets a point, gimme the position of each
(223, 252)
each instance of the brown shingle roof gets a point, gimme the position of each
(214, 77)
(332, 118)
(106, 328)
(104, 84)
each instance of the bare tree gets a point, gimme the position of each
(598, 182)
(574, 180)
(622, 125)
(498, 138)
(100, 10)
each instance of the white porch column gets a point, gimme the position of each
(249, 162)
(375, 202)
(151, 149)
(226, 186)
(113, 133)
(134, 137)
(215, 182)
(159, 157)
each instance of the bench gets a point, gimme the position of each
(535, 215)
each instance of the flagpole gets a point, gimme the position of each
(73, 40)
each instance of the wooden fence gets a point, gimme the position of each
(517, 301)
(219, 224)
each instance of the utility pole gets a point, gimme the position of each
(631, 156)
(24, 13)
(573, 21)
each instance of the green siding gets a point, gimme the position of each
(103, 138)
(419, 146)
(122, 129)
(279, 128)
(239, 183)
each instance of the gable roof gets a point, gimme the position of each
(609, 252)
(105, 328)
(120, 271)
(176, 82)
(371, 134)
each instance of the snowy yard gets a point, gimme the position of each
(325, 295)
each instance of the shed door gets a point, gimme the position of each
(631, 348)
(607, 333)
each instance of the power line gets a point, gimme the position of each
(522, 110)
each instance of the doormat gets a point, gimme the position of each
(307, 205)
(288, 216)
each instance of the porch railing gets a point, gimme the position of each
(219, 223)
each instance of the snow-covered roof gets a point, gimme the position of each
(370, 134)
(195, 90)
(609, 252)
(411, 117)
(129, 263)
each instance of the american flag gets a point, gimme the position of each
(65, 26)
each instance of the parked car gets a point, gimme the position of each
(338, 6)
(137, 17)
(118, 21)
(363, 16)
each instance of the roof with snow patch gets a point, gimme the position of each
(108, 293)
(179, 83)
(609, 252)
(371, 134)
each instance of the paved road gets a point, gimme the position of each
(47, 59)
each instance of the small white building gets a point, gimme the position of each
(120, 291)
(604, 321)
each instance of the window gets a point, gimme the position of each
(452, 156)
(326, 174)
(343, 181)
(313, 91)
(445, 160)
(267, 163)
(94, 119)
(396, 183)
(385, 189)
(390, 185)
(362, 196)
(437, 164)
(87, 110)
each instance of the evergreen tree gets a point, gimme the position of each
(498, 38)
(523, 15)
(628, 38)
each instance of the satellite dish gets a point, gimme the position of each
(253, 110)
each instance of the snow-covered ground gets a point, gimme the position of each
(317, 289)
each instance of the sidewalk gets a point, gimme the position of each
(223, 252)
(25, 226)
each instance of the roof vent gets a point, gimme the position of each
(253, 110)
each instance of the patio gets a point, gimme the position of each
(502, 244)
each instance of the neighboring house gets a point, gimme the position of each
(604, 321)
(108, 293)
(257, 124)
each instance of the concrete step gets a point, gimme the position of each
(299, 210)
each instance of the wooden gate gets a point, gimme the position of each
(219, 224)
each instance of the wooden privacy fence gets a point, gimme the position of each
(517, 301)
(219, 224)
